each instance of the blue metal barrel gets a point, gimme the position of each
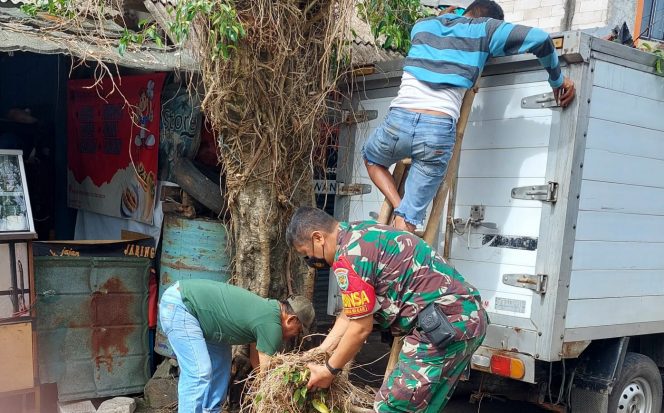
(191, 249)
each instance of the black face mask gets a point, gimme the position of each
(315, 262)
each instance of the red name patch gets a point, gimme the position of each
(358, 296)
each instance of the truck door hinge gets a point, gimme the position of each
(539, 101)
(545, 193)
(327, 187)
(536, 283)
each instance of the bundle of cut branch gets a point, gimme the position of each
(283, 388)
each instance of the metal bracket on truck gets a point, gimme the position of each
(536, 283)
(545, 193)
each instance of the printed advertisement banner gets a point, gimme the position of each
(114, 145)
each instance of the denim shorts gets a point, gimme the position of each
(428, 140)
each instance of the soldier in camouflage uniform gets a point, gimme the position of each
(392, 275)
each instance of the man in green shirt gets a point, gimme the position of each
(203, 319)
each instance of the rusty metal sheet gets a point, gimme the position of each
(92, 325)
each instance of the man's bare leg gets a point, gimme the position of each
(382, 178)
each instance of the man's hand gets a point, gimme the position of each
(565, 93)
(321, 378)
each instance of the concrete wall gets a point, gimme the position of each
(596, 16)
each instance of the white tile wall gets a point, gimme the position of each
(548, 14)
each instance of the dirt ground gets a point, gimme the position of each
(370, 365)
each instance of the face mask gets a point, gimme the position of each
(315, 262)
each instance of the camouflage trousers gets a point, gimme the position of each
(425, 376)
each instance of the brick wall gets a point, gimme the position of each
(548, 14)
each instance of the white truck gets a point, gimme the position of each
(557, 216)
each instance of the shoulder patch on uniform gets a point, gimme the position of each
(342, 277)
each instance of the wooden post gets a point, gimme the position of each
(452, 170)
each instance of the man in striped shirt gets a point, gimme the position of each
(447, 56)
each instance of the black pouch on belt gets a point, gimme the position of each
(435, 325)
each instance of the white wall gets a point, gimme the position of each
(550, 14)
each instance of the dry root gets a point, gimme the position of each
(282, 389)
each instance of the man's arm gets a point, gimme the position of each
(253, 356)
(351, 342)
(263, 361)
(334, 336)
(508, 39)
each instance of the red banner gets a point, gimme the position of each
(114, 145)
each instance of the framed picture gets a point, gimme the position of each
(15, 212)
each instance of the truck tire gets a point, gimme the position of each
(639, 387)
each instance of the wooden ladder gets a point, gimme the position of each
(447, 187)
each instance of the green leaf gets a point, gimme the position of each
(320, 406)
(388, 42)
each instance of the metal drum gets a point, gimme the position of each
(191, 249)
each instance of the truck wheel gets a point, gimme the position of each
(639, 387)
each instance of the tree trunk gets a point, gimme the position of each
(264, 263)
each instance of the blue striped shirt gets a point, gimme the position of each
(452, 50)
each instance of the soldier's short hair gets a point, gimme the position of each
(305, 221)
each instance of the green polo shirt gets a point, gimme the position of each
(233, 315)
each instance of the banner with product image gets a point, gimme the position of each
(114, 145)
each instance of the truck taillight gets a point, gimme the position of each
(507, 367)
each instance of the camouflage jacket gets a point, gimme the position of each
(394, 275)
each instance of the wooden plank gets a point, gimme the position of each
(625, 139)
(503, 163)
(16, 357)
(611, 105)
(516, 221)
(494, 191)
(609, 311)
(620, 78)
(604, 166)
(611, 226)
(630, 199)
(616, 283)
(532, 132)
(438, 204)
(602, 255)
(504, 102)
(491, 254)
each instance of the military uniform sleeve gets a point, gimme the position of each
(357, 290)
(508, 39)
(268, 338)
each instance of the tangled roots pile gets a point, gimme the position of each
(282, 388)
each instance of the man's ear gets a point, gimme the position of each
(317, 235)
